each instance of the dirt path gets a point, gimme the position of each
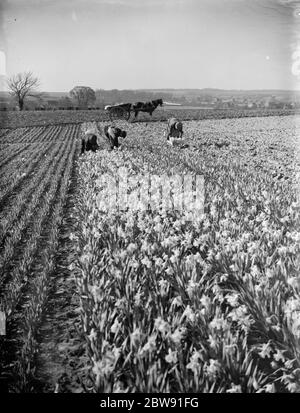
(60, 359)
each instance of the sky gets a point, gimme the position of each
(141, 44)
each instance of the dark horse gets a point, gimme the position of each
(148, 107)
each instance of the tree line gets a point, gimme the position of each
(23, 86)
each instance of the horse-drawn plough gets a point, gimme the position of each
(119, 111)
(124, 110)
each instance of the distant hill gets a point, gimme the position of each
(225, 92)
(57, 94)
(207, 97)
(186, 92)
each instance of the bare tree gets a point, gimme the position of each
(83, 95)
(23, 85)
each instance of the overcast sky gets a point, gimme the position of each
(131, 44)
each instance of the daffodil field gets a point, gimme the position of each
(153, 300)
(170, 304)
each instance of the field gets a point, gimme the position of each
(16, 119)
(151, 301)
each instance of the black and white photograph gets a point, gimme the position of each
(149, 199)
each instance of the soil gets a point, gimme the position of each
(61, 362)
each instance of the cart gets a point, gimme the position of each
(119, 111)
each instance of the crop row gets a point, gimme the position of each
(26, 200)
(23, 156)
(38, 290)
(35, 215)
(30, 213)
(15, 135)
(35, 135)
(26, 279)
(11, 151)
(14, 181)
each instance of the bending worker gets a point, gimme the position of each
(113, 133)
(89, 142)
(92, 142)
(174, 130)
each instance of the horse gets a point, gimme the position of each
(148, 107)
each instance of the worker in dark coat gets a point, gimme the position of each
(174, 129)
(113, 133)
(89, 142)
